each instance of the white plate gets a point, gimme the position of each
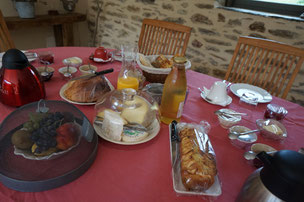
(152, 134)
(241, 88)
(63, 88)
(223, 104)
(29, 155)
(31, 59)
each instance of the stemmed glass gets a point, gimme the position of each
(46, 58)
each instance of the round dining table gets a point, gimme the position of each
(143, 172)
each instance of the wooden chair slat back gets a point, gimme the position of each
(161, 37)
(6, 41)
(268, 64)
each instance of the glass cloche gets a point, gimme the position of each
(127, 117)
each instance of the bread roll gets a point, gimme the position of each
(162, 62)
(143, 60)
(198, 168)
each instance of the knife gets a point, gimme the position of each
(94, 74)
(174, 143)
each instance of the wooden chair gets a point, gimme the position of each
(6, 41)
(268, 64)
(161, 37)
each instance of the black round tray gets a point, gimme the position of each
(21, 174)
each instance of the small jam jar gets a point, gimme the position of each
(274, 111)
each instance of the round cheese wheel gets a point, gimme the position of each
(133, 135)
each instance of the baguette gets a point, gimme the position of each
(198, 168)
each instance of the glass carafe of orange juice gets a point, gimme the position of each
(174, 92)
(128, 76)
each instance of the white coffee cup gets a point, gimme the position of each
(218, 92)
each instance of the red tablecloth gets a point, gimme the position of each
(143, 172)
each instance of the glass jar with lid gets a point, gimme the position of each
(127, 116)
(174, 92)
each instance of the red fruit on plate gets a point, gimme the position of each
(67, 135)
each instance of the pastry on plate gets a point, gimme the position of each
(87, 90)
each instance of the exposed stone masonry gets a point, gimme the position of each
(214, 35)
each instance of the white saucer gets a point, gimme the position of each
(223, 104)
(101, 60)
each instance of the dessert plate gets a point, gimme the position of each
(250, 91)
(152, 134)
(63, 88)
(223, 104)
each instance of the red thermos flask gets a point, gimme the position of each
(20, 82)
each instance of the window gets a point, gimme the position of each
(284, 7)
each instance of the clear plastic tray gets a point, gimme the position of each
(215, 189)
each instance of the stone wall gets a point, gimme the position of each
(214, 35)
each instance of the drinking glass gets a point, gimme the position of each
(46, 58)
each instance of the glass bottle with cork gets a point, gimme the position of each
(174, 92)
(128, 75)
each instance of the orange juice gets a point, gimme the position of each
(127, 82)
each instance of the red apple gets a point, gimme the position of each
(67, 135)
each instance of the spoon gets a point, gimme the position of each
(203, 92)
(218, 112)
(235, 135)
(67, 73)
(45, 72)
(250, 155)
(90, 68)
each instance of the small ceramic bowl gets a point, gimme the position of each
(272, 129)
(85, 69)
(72, 70)
(274, 111)
(243, 141)
(50, 70)
(257, 148)
(226, 121)
(73, 61)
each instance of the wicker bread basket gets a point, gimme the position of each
(156, 75)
